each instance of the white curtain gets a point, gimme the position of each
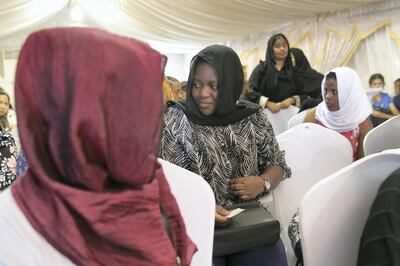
(379, 53)
(188, 22)
(329, 40)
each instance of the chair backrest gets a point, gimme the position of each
(297, 119)
(313, 153)
(197, 205)
(383, 137)
(333, 213)
(280, 119)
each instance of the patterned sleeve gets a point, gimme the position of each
(172, 148)
(267, 146)
(8, 154)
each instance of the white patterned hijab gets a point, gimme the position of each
(353, 102)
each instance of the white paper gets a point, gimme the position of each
(235, 212)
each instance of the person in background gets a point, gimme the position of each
(277, 82)
(246, 86)
(176, 88)
(307, 79)
(183, 90)
(396, 84)
(230, 144)
(345, 108)
(380, 101)
(8, 157)
(90, 110)
(395, 105)
(8, 120)
(167, 91)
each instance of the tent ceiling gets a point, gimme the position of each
(177, 21)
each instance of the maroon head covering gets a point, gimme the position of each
(89, 107)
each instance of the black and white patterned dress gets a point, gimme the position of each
(221, 153)
(8, 159)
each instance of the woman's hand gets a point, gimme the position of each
(248, 187)
(287, 102)
(273, 107)
(221, 215)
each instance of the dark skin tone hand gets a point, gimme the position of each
(249, 187)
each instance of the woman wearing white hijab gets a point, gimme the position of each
(345, 108)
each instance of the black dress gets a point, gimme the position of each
(296, 79)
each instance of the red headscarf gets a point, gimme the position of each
(89, 107)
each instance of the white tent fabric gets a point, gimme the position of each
(379, 53)
(178, 21)
(331, 33)
(329, 40)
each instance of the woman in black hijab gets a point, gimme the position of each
(285, 78)
(230, 144)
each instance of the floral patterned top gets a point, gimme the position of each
(8, 159)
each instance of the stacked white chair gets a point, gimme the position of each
(313, 153)
(197, 205)
(383, 137)
(280, 119)
(333, 213)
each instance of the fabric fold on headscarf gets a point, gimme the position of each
(89, 107)
(229, 71)
(353, 102)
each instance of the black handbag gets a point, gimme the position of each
(252, 228)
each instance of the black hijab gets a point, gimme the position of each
(228, 68)
(307, 79)
(265, 79)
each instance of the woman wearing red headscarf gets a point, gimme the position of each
(89, 106)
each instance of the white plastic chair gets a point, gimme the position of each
(297, 118)
(313, 153)
(197, 205)
(383, 137)
(333, 213)
(280, 119)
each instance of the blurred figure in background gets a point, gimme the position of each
(8, 120)
(176, 88)
(167, 91)
(380, 101)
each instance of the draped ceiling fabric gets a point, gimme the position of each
(189, 22)
(329, 32)
(329, 40)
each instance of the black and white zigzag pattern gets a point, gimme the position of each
(220, 154)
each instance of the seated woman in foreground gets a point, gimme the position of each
(345, 108)
(89, 122)
(232, 146)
